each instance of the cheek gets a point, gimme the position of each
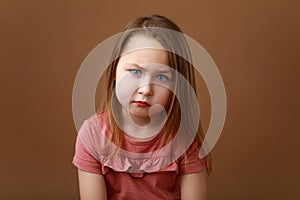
(124, 89)
(161, 101)
(163, 96)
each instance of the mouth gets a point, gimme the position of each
(141, 103)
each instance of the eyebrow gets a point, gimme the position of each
(165, 70)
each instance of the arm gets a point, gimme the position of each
(91, 186)
(193, 186)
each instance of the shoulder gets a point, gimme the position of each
(92, 132)
(95, 121)
(191, 162)
(95, 124)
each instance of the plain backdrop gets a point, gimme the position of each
(255, 44)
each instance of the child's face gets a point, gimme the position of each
(142, 80)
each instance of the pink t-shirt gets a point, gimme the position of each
(140, 170)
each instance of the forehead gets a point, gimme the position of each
(143, 50)
(141, 41)
(145, 56)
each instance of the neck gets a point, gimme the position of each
(140, 127)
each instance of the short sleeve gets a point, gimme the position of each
(191, 162)
(85, 158)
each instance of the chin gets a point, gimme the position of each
(140, 115)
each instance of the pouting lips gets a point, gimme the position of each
(141, 103)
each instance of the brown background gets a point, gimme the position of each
(254, 43)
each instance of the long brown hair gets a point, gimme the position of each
(143, 25)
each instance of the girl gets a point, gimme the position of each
(139, 146)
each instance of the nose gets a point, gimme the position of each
(146, 89)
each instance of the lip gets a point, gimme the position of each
(141, 103)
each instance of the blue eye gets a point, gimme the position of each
(136, 72)
(162, 77)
